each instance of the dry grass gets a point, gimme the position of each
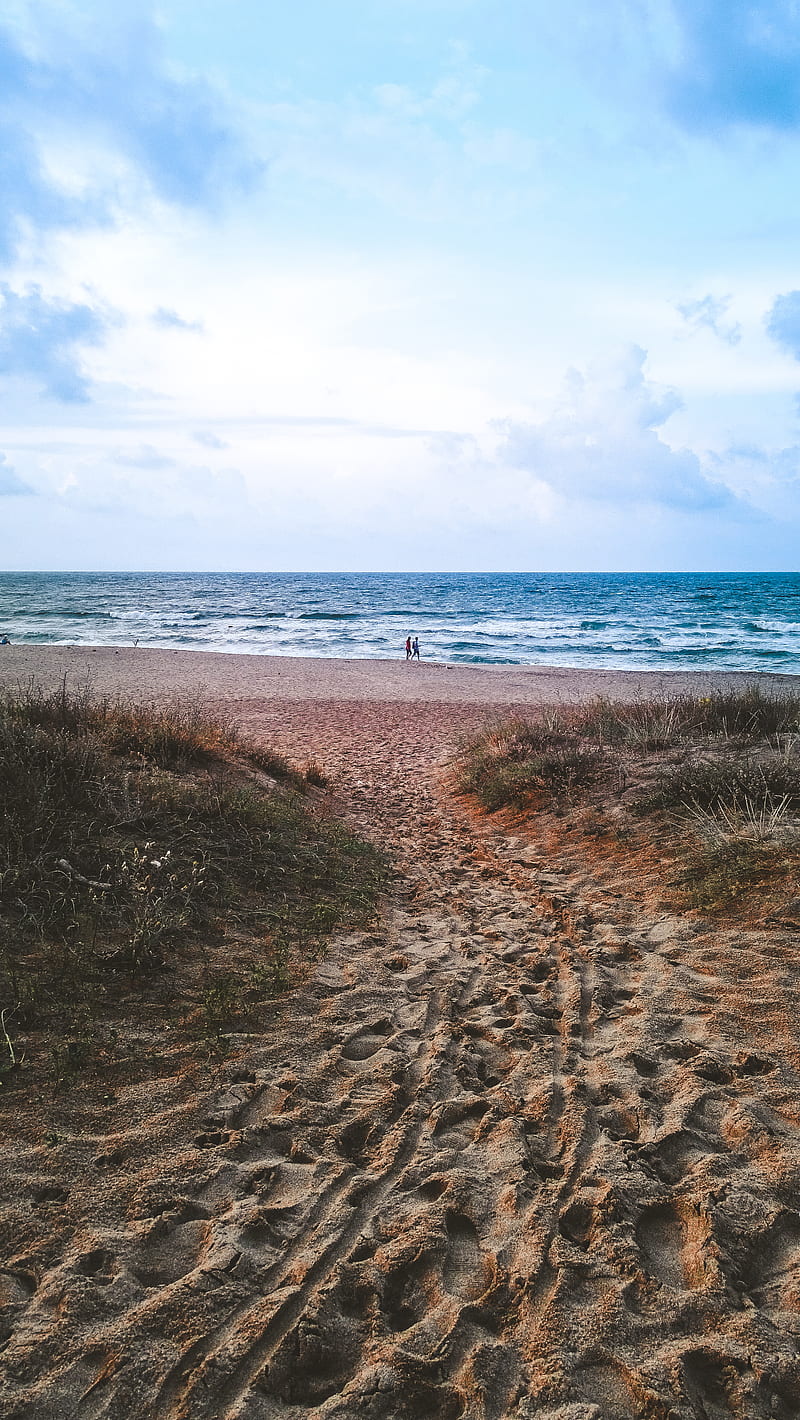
(130, 838)
(514, 763)
(716, 779)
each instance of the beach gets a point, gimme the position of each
(528, 1147)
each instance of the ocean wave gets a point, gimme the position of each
(329, 616)
(65, 614)
(483, 660)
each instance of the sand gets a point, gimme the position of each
(530, 1147)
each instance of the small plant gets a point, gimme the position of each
(760, 822)
(271, 977)
(220, 1001)
(10, 1063)
(163, 897)
(313, 773)
(73, 1052)
(172, 736)
(714, 876)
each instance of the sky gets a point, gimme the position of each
(476, 285)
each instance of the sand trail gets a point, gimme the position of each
(525, 1150)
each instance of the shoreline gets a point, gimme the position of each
(230, 678)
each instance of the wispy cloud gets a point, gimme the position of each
(709, 313)
(209, 440)
(145, 457)
(166, 319)
(41, 339)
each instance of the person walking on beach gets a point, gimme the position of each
(415, 649)
(408, 648)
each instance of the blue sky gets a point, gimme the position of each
(400, 284)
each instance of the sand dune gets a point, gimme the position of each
(530, 1148)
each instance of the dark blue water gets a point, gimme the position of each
(656, 621)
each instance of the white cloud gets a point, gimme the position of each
(602, 443)
(709, 312)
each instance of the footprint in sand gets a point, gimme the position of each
(98, 1264)
(16, 1286)
(772, 1275)
(670, 1245)
(408, 1293)
(676, 1155)
(367, 1041)
(465, 1269)
(170, 1251)
(712, 1384)
(604, 1384)
(458, 1123)
(576, 1223)
(354, 1140)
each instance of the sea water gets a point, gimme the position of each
(656, 621)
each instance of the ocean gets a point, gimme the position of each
(653, 621)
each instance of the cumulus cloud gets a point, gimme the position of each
(739, 64)
(709, 313)
(783, 322)
(41, 339)
(602, 443)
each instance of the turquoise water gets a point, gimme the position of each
(656, 621)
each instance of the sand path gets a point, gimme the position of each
(523, 1151)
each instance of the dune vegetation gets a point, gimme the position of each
(715, 778)
(147, 850)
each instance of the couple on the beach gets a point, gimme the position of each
(412, 649)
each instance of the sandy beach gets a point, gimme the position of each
(529, 1148)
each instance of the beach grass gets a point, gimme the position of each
(715, 777)
(131, 837)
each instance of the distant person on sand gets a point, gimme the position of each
(415, 649)
(408, 648)
(4, 641)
